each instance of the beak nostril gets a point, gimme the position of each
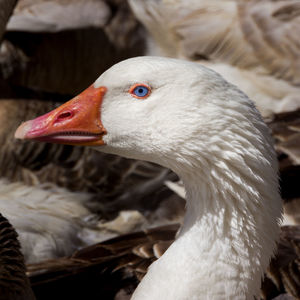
(65, 115)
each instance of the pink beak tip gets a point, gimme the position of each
(22, 130)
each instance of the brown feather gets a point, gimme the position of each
(14, 284)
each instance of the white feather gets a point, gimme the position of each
(51, 221)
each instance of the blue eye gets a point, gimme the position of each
(140, 91)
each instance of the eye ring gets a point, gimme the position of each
(140, 91)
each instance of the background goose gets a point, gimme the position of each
(14, 284)
(253, 44)
(213, 138)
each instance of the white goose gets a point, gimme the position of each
(186, 117)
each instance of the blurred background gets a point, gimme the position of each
(61, 199)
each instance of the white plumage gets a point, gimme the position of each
(51, 221)
(55, 16)
(212, 136)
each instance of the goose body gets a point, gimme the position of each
(252, 44)
(187, 118)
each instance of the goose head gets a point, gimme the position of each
(150, 108)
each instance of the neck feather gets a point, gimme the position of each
(230, 228)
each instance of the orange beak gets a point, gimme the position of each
(76, 122)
